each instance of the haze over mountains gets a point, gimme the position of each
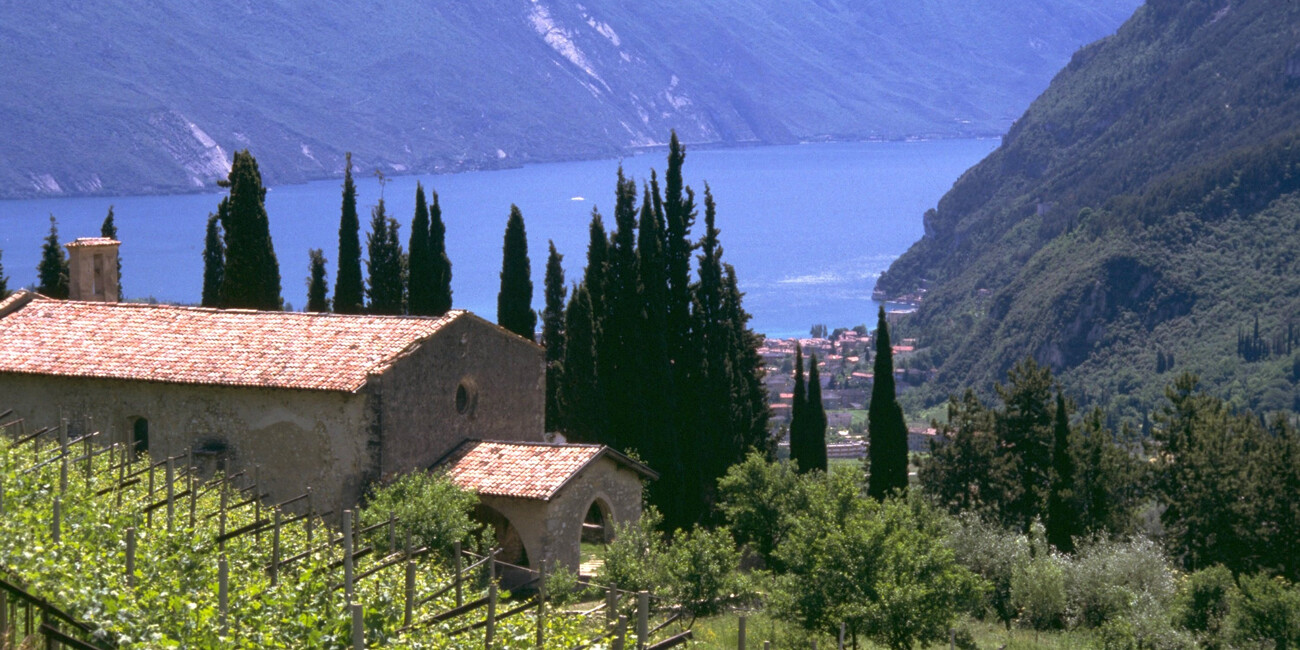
(1143, 216)
(114, 97)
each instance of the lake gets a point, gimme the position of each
(808, 227)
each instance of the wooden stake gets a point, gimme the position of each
(642, 619)
(410, 594)
(491, 616)
(307, 521)
(257, 501)
(460, 591)
(358, 627)
(620, 633)
(194, 497)
(392, 533)
(740, 635)
(541, 606)
(275, 550)
(223, 595)
(611, 606)
(130, 557)
(54, 524)
(841, 646)
(171, 497)
(221, 518)
(63, 450)
(347, 553)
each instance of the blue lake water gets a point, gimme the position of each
(808, 227)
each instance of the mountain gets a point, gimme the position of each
(1147, 205)
(115, 97)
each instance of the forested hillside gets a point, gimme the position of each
(117, 97)
(1143, 216)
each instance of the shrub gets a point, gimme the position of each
(991, 552)
(1109, 579)
(1038, 591)
(633, 561)
(427, 506)
(701, 571)
(1204, 603)
(1267, 609)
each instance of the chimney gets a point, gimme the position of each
(92, 269)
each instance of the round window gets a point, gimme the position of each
(465, 398)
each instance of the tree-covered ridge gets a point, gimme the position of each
(1144, 206)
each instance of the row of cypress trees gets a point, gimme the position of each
(807, 417)
(648, 359)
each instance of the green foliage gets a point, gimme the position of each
(428, 507)
(214, 259)
(993, 553)
(887, 449)
(553, 335)
(1267, 609)
(881, 568)
(317, 287)
(759, 499)
(349, 292)
(1204, 603)
(107, 229)
(515, 300)
(1038, 585)
(1107, 580)
(702, 573)
(251, 275)
(52, 272)
(386, 284)
(635, 559)
(420, 260)
(441, 276)
(4, 282)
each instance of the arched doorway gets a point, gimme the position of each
(140, 435)
(597, 533)
(506, 535)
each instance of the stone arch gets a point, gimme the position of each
(598, 521)
(507, 535)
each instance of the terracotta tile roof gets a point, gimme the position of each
(195, 345)
(526, 470)
(91, 241)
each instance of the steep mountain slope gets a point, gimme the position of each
(1147, 204)
(115, 97)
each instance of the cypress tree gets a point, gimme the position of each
(385, 289)
(349, 292)
(748, 395)
(1062, 516)
(815, 435)
(679, 216)
(798, 413)
(109, 229)
(1024, 425)
(52, 272)
(317, 287)
(553, 334)
(514, 302)
(582, 402)
(252, 274)
(421, 272)
(214, 259)
(596, 276)
(4, 281)
(440, 301)
(887, 431)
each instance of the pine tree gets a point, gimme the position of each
(4, 281)
(349, 292)
(252, 274)
(799, 413)
(514, 302)
(1062, 516)
(553, 334)
(52, 272)
(1025, 427)
(317, 287)
(815, 435)
(385, 289)
(421, 271)
(214, 259)
(109, 229)
(886, 428)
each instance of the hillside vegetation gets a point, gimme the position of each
(118, 97)
(1142, 216)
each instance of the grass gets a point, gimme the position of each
(720, 633)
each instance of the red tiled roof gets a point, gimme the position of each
(526, 470)
(91, 241)
(195, 345)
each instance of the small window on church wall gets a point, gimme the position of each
(466, 397)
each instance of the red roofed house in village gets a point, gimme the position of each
(327, 401)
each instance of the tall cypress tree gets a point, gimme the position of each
(440, 302)
(815, 436)
(553, 334)
(252, 274)
(582, 402)
(109, 229)
(1062, 516)
(886, 428)
(515, 300)
(748, 395)
(4, 281)
(798, 413)
(596, 275)
(349, 292)
(386, 286)
(52, 272)
(214, 259)
(420, 270)
(317, 287)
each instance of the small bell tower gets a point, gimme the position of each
(92, 269)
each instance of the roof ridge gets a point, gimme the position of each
(241, 311)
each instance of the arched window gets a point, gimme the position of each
(140, 435)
